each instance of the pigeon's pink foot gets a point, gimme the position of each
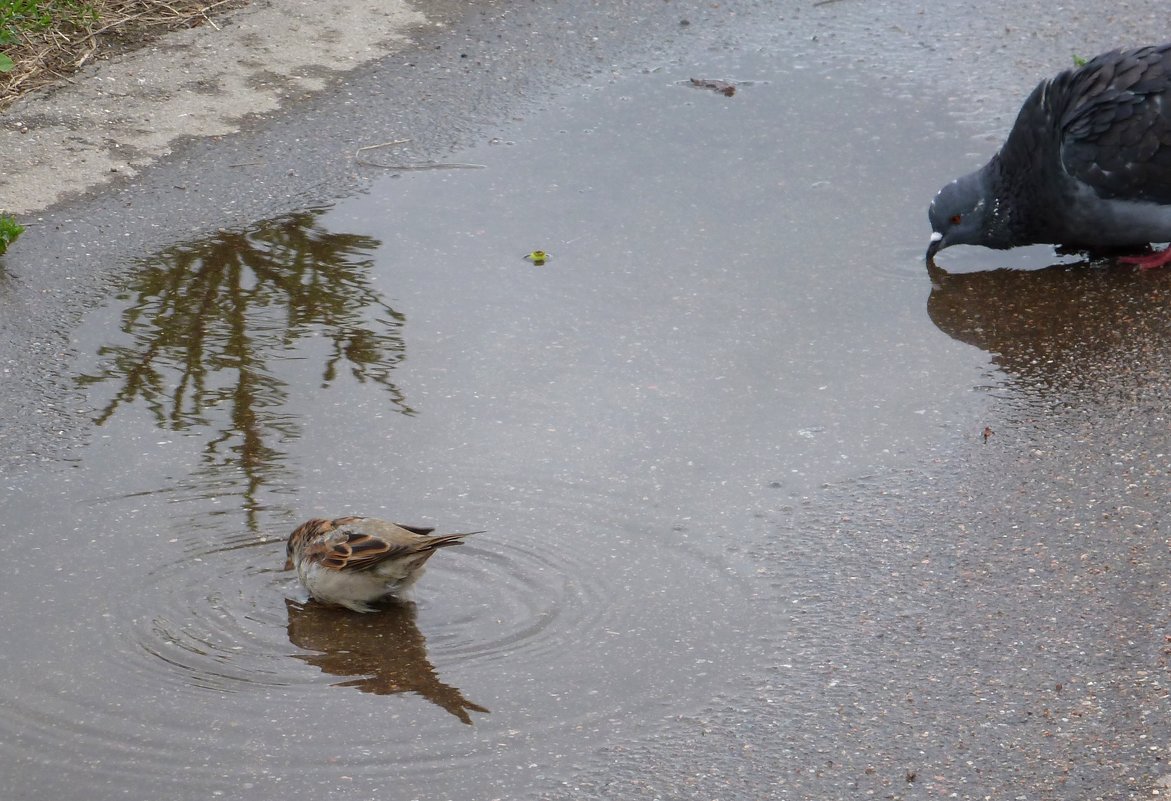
(1149, 261)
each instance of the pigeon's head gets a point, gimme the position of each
(959, 214)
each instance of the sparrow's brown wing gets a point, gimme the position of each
(350, 550)
(360, 543)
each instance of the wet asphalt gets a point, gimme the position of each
(1002, 606)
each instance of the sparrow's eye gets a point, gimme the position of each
(955, 219)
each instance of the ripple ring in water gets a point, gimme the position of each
(208, 674)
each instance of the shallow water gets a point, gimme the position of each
(735, 315)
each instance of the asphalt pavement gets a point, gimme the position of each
(1025, 574)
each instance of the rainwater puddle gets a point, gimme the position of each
(212, 371)
(734, 315)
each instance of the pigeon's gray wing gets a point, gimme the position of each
(1115, 124)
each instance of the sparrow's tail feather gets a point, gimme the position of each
(444, 540)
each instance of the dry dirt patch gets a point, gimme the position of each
(116, 115)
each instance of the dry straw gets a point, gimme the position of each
(95, 30)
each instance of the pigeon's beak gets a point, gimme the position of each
(934, 246)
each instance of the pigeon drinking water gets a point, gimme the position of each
(1087, 166)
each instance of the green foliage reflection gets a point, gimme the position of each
(216, 330)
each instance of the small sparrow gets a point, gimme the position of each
(354, 561)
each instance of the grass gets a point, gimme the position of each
(43, 42)
(32, 16)
(10, 229)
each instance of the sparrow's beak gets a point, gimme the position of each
(934, 246)
(289, 563)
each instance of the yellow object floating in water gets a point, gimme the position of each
(538, 257)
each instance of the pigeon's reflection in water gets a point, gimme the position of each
(1074, 327)
(381, 653)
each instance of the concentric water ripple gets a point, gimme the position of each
(212, 620)
(523, 641)
(218, 619)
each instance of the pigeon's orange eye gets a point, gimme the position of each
(955, 219)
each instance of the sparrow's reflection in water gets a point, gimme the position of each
(381, 653)
(1073, 326)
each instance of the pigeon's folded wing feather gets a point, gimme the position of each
(1116, 124)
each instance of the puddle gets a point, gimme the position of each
(214, 375)
(622, 419)
(735, 314)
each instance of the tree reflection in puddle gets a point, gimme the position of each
(207, 323)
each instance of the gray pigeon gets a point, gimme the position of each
(1087, 166)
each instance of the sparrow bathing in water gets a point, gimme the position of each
(356, 561)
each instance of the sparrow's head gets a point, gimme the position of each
(301, 535)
